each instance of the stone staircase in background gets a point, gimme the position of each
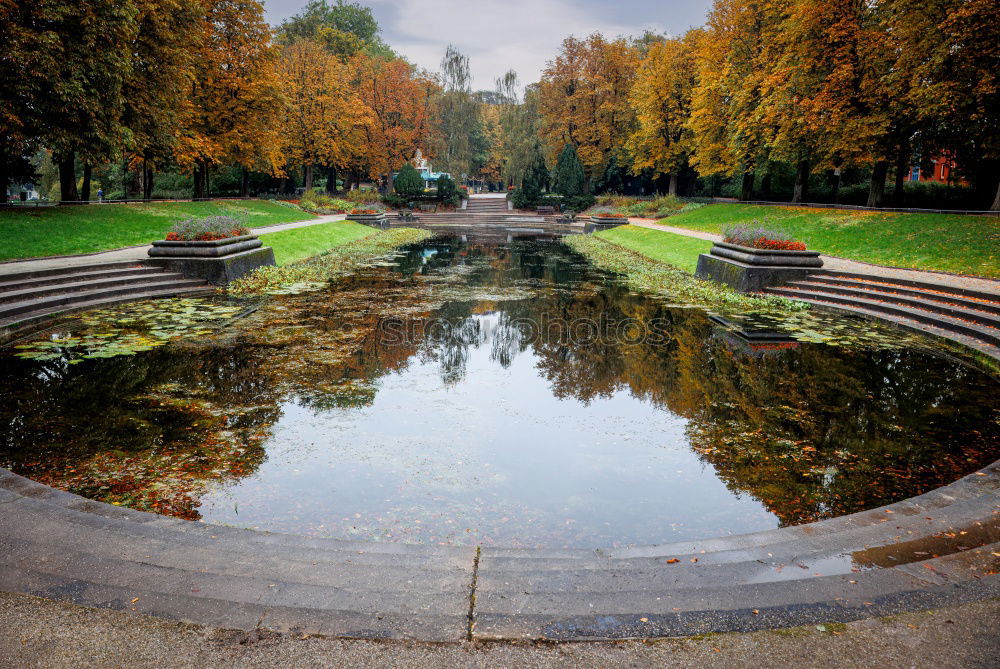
(30, 298)
(968, 316)
(486, 205)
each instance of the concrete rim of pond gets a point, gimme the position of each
(936, 549)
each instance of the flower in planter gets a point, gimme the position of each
(605, 212)
(759, 236)
(207, 229)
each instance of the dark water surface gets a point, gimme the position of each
(500, 394)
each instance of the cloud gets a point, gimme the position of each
(514, 34)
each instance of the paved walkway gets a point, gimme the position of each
(131, 253)
(41, 633)
(845, 265)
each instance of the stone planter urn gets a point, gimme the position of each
(749, 269)
(219, 261)
(368, 219)
(609, 220)
(768, 257)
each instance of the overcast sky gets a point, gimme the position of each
(504, 34)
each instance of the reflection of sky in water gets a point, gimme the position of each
(495, 453)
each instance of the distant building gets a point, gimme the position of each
(423, 166)
(942, 171)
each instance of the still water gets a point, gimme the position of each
(497, 393)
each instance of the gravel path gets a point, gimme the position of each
(131, 253)
(845, 265)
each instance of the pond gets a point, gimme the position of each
(496, 392)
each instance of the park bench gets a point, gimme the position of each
(429, 208)
(546, 209)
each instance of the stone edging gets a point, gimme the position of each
(935, 549)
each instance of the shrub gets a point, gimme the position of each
(363, 196)
(521, 199)
(579, 202)
(207, 229)
(568, 178)
(759, 236)
(408, 182)
(447, 191)
(395, 201)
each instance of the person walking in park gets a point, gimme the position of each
(100, 195)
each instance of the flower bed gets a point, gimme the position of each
(758, 236)
(207, 229)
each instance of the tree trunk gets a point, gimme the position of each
(390, 182)
(996, 200)
(331, 179)
(765, 187)
(199, 182)
(85, 188)
(836, 185)
(877, 190)
(673, 184)
(4, 181)
(801, 182)
(244, 182)
(746, 187)
(206, 187)
(67, 178)
(902, 168)
(309, 177)
(147, 181)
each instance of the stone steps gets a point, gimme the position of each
(57, 545)
(968, 316)
(32, 297)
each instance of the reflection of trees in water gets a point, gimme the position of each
(812, 431)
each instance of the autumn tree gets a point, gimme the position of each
(949, 58)
(236, 102)
(728, 139)
(68, 62)
(399, 100)
(343, 28)
(661, 97)
(155, 94)
(584, 100)
(323, 117)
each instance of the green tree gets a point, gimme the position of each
(408, 182)
(568, 178)
(460, 136)
(447, 191)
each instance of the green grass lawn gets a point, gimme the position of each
(47, 231)
(946, 242)
(677, 250)
(299, 243)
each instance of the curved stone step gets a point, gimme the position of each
(946, 305)
(68, 288)
(910, 283)
(983, 333)
(311, 617)
(75, 276)
(970, 299)
(55, 302)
